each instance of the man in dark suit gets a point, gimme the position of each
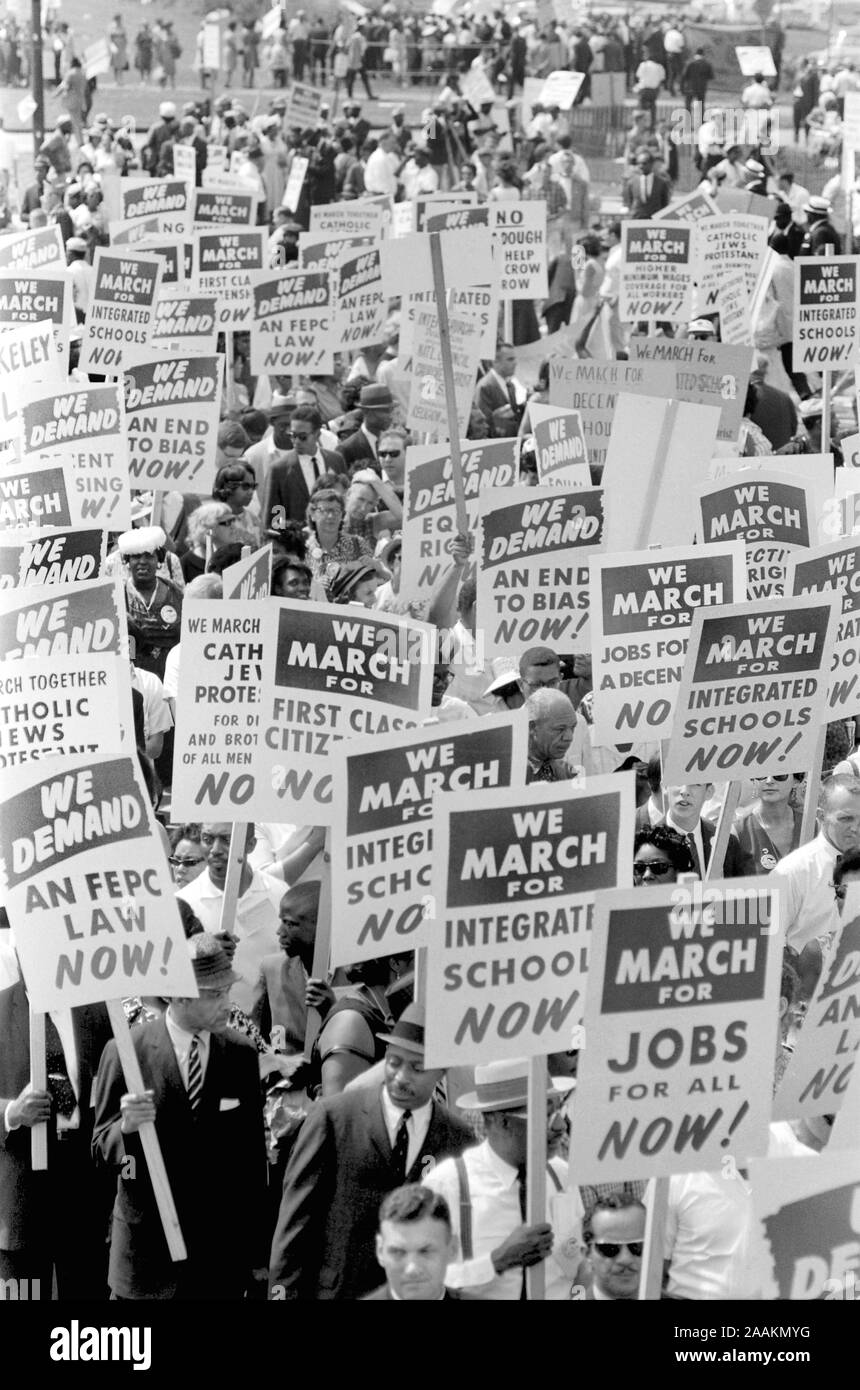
(684, 814)
(293, 474)
(351, 1150)
(495, 394)
(414, 1245)
(57, 1218)
(377, 407)
(646, 192)
(695, 78)
(203, 1093)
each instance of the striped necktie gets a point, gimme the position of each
(195, 1075)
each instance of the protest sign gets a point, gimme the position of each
(291, 329)
(132, 231)
(185, 162)
(773, 512)
(84, 431)
(642, 604)
(251, 577)
(120, 315)
(562, 458)
(168, 199)
(480, 302)
(691, 208)
(27, 351)
(302, 676)
(726, 243)
(753, 692)
(32, 250)
(228, 181)
(346, 220)
(97, 59)
(826, 314)
(172, 412)
(821, 1064)
(806, 1235)
(561, 89)
(755, 61)
(656, 280)
(657, 451)
(361, 307)
(519, 242)
(680, 1016)
(701, 373)
(86, 885)
(514, 867)
(62, 706)
(533, 587)
(428, 204)
(34, 492)
(466, 258)
(430, 523)
(733, 303)
(428, 401)
(834, 568)
(740, 201)
(384, 791)
(183, 323)
(50, 556)
(223, 207)
(46, 297)
(176, 254)
(477, 87)
(450, 218)
(326, 254)
(304, 104)
(295, 182)
(43, 621)
(47, 555)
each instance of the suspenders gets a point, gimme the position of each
(466, 1243)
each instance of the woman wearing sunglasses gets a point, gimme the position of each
(769, 828)
(659, 856)
(187, 857)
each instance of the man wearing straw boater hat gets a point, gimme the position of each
(351, 1150)
(203, 1093)
(486, 1192)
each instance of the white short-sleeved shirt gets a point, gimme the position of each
(808, 876)
(256, 926)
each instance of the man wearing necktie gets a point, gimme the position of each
(54, 1220)
(646, 192)
(352, 1149)
(552, 721)
(684, 815)
(293, 473)
(203, 1093)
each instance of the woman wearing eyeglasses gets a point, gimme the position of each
(235, 486)
(769, 828)
(187, 857)
(660, 854)
(329, 546)
(212, 519)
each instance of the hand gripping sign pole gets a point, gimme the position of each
(148, 1135)
(448, 381)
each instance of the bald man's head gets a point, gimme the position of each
(551, 724)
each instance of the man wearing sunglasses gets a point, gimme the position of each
(294, 473)
(616, 1239)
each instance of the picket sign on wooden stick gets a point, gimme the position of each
(157, 503)
(448, 381)
(646, 520)
(39, 1082)
(536, 1168)
(322, 942)
(826, 386)
(720, 841)
(813, 790)
(651, 1273)
(148, 1134)
(232, 883)
(419, 989)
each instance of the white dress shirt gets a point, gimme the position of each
(182, 1040)
(62, 1021)
(494, 1194)
(313, 466)
(380, 172)
(255, 924)
(811, 903)
(417, 1125)
(709, 1228)
(697, 839)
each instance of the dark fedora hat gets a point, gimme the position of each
(408, 1032)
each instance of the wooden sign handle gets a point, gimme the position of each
(148, 1135)
(536, 1168)
(448, 381)
(322, 942)
(39, 1082)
